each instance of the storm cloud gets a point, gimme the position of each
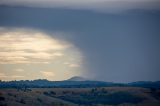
(119, 47)
(95, 5)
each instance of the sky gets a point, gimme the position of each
(96, 5)
(107, 40)
(32, 54)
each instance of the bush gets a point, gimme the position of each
(38, 99)
(99, 97)
(22, 101)
(53, 93)
(45, 93)
(2, 99)
(9, 94)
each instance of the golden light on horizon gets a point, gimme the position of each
(26, 50)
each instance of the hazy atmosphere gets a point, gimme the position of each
(106, 40)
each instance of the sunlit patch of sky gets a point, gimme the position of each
(30, 54)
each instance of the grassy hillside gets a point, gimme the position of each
(101, 96)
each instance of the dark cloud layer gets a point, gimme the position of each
(118, 47)
(94, 5)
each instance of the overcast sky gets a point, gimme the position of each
(100, 39)
(96, 5)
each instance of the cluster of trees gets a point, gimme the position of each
(2, 103)
(96, 96)
(43, 83)
(101, 97)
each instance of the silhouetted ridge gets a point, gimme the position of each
(74, 82)
(77, 78)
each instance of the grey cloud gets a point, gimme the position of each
(95, 5)
(117, 47)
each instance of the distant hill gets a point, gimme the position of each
(77, 78)
(146, 84)
(74, 82)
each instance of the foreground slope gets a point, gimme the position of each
(99, 96)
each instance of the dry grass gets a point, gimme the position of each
(36, 96)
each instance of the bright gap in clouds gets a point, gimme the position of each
(29, 54)
(29, 47)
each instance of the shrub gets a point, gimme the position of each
(22, 101)
(38, 99)
(45, 93)
(53, 93)
(99, 97)
(9, 94)
(2, 99)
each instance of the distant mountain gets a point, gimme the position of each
(77, 78)
(74, 82)
(146, 84)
